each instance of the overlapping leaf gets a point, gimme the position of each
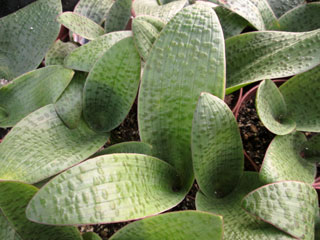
(280, 7)
(31, 91)
(40, 146)
(311, 149)
(57, 53)
(91, 236)
(26, 36)
(118, 16)
(109, 188)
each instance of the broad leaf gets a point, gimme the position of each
(81, 25)
(290, 206)
(187, 59)
(91, 236)
(280, 7)
(217, 153)
(186, 225)
(3, 114)
(14, 197)
(41, 146)
(112, 86)
(272, 109)
(26, 37)
(118, 16)
(109, 188)
(57, 53)
(283, 161)
(301, 94)
(32, 91)
(84, 57)
(263, 55)
(311, 149)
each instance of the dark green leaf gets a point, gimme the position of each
(57, 53)
(280, 7)
(91, 236)
(311, 149)
(118, 16)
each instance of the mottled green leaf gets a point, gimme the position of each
(31, 91)
(26, 36)
(118, 16)
(283, 161)
(146, 30)
(280, 7)
(41, 146)
(237, 223)
(272, 109)
(109, 188)
(187, 59)
(112, 86)
(69, 105)
(311, 149)
(217, 153)
(290, 206)
(58, 52)
(81, 25)
(263, 55)
(301, 94)
(84, 57)
(183, 225)
(14, 198)
(91, 236)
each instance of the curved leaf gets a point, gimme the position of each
(272, 109)
(118, 16)
(282, 160)
(91, 236)
(216, 145)
(109, 188)
(26, 37)
(84, 57)
(40, 146)
(112, 86)
(14, 197)
(263, 55)
(3, 114)
(187, 59)
(290, 206)
(311, 149)
(32, 91)
(186, 225)
(280, 7)
(58, 52)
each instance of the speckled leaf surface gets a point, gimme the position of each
(311, 149)
(69, 104)
(272, 54)
(280, 7)
(146, 30)
(14, 198)
(272, 109)
(40, 146)
(237, 223)
(290, 206)
(32, 91)
(91, 236)
(109, 188)
(301, 94)
(282, 160)
(187, 59)
(81, 25)
(216, 147)
(57, 53)
(84, 57)
(118, 16)
(26, 37)
(112, 86)
(182, 225)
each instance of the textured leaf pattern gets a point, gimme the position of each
(118, 16)
(7, 231)
(311, 149)
(110, 188)
(41, 146)
(57, 53)
(280, 7)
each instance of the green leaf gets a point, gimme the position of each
(58, 52)
(187, 59)
(290, 206)
(3, 114)
(187, 225)
(112, 86)
(217, 153)
(146, 30)
(91, 236)
(118, 16)
(109, 188)
(14, 197)
(41, 146)
(69, 105)
(283, 161)
(280, 7)
(311, 149)
(303, 18)
(84, 57)
(301, 94)
(32, 91)
(263, 55)
(81, 25)
(26, 37)
(272, 109)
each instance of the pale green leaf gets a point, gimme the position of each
(280, 7)
(40, 146)
(118, 16)
(311, 149)
(91, 236)
(58, 52)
